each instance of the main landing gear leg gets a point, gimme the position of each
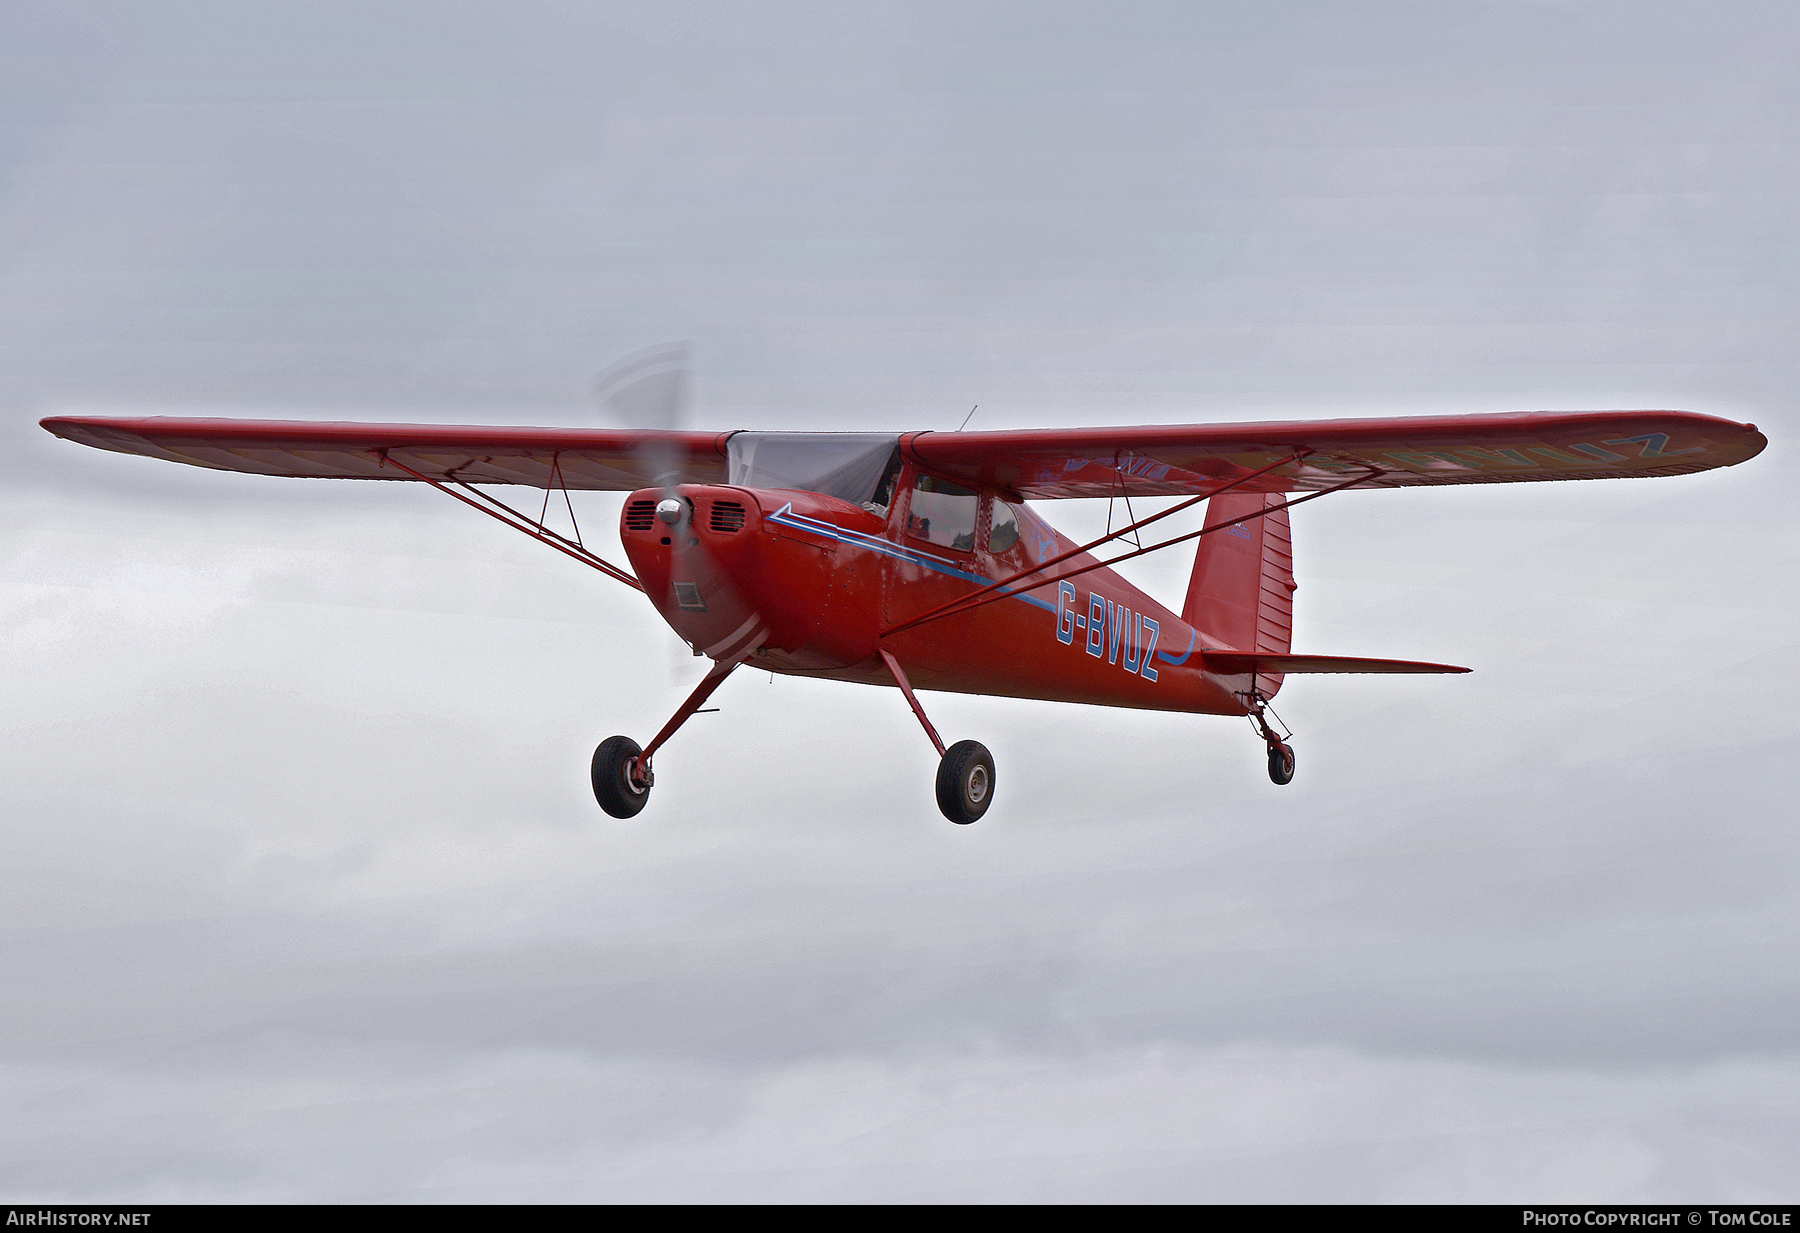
(965, 778)
(1281, 754)
(621, 771)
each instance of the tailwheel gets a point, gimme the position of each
(1281, 763)
(1281, 754)
(621, 784)
(965, 782)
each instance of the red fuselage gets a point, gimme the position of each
(802, 583)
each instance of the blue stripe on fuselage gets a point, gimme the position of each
(785, 516)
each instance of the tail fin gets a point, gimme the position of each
(1242, 591)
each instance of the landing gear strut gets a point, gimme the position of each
(1281, 754)
(621, 771)
(965, 778)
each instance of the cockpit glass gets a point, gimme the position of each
(943, 513)
(847, 465)
(1003, 532)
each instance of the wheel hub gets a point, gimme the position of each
(978, 785)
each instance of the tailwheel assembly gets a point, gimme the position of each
(1281, 754)
(1281, 763)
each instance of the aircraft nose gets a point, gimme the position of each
(698, 557)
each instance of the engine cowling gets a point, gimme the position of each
(736, 570)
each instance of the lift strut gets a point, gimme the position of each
(502, 512)
(1006, 587)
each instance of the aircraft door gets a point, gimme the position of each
(934, 525)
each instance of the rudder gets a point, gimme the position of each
(1242, 589)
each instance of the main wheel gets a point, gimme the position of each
(613, 786)
(1281, 763)
(965, 782)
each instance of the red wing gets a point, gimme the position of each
(1183, 459)
(1240, 663)
(585, 458)
(1169, 460)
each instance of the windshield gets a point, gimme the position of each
(848, 465)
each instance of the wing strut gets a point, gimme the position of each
(976, 599)
(502, 512)
(963, 603)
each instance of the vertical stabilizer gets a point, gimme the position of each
(1242, 591)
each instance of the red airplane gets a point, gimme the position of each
(912, 560)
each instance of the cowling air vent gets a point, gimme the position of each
(640, 516)
(728, 516)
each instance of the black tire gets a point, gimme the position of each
(965, 782)
(612, 787)
(1281, 764)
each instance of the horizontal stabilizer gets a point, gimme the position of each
(1236, 663)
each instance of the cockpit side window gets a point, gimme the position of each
(943, 513)
(1003, 529)
(1016, 537)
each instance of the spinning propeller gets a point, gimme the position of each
(651, 391)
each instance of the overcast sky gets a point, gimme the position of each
(304, 895)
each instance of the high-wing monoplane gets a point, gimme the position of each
(913, 559)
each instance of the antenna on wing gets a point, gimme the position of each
(968, 417)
